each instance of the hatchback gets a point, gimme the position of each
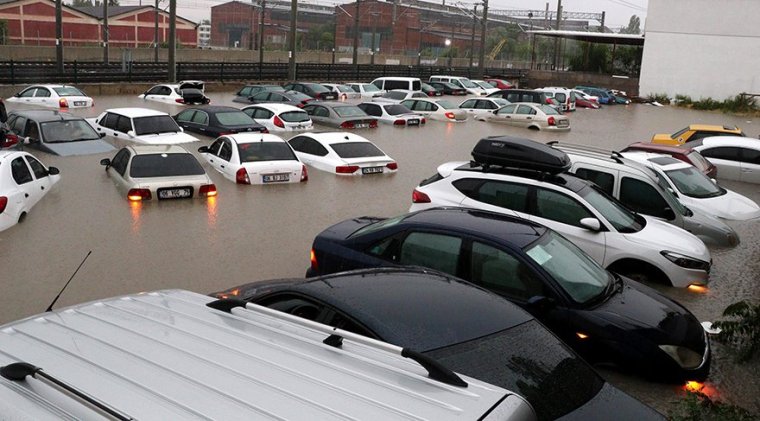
(56, 96)
(279, 117)
(528, 115)
(182, 93)
(56, 132)
(24, 180)
(342, 153)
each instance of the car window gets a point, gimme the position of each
(110, 121)
(294, 117)
(525, 110)
(164, 165)
(154, 90)
(509, 109)
(246, 91)
(501, 272)
(119, 162)
(42, 93)
(693, 183)
(19, 125)
(320, 112)
(308, 145)
(186, 116)
(435, 251)
(32, 131)
(643, 198)
(750, 156)
(620, 217)
(37, 168)
(371, 109)
(605, 181)
(225, 152)
(349, 111)
(200, 117)
(20, 171)
(68, 91)
(261, 113)
(470, 103)
(724, 152)
(349, 150)
(560, 207)
(699, 161)
(261, 96)
(214, 148)
(265, 151)
(293, 304)
(234, 118)
(28, 93)
(548, 110)
(156, 124)
(123, 124)
(396, 109)
(497, 193)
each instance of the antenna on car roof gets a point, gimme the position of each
(50, 307)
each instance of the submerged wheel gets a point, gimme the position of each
(21, 217)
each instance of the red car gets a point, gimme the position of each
(685, 154)
(500, 83)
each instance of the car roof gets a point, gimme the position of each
(415, 308)
(154, 149)
(277, 107)
(564, 180)
(49, 86)
(45, 115)
(729, 141)
(214, 108)
(332, 104)
(335, 137)
(135, 112)
(656, 147)
(666, 162)
(715, 128)
(255, 137)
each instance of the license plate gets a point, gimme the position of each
(274, 178)
(563, 123)
(80, 103)
(372, 170)
(414, 122)
(361, 125)
(180, 193)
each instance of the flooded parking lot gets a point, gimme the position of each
(251, 233)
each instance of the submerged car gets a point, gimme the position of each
(56, 132)
(339, 115)
(342, 153)
(217, 121)
(314, 90)
(56, 96)
(529, 115)
(246, 92)
(141, 125)
(183, 93)
(437, 109)
(296, 99)
(738, 158)
(344, 91)
(279, 117)
(682, 153)
(695, 132)
(395, 114)
(24, 180)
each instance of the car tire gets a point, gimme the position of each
(640, 271)
(22, 217)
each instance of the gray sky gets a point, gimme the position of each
(618, 11)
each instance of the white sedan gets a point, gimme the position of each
(397, 95)
(344, 91)
(162, 172)
(395, 114)
(342, 153)
(485, 86)
(737, 157)
(479, 107)
(56, 96)
(279, 117)
(254, 158)
(141, 125)
(529, 115)
(185, 92)
(437, 109)
(366, 90)
(23, 182)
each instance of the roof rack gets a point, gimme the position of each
(587, 149)
(335, 338)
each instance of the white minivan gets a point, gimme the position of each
(461, 82)
(563, 96)
(393, 82)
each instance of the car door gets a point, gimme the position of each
(42, 181)
(118, 169)
(212, 156)
(43, 96)
(224, 159)
(27, 95)
(32, 132)
(154, 93)
(200, 122)
(505, 115)
(524, 115)
(432, 250)
(185, 120)
(640, 196)
(727, 159)
(750, 165)
(24, 180)
(261, 116)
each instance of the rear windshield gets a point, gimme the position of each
(265, 151)
(68, 91)
(356, 150)
(155, 125)
(447, 105)
(554, 380)
(67, 131)
(297, 96)
(294, 116)
(317, 88)
(467, 83)
(396, 109)
(344, 88)
(164, 165)
(370, 88)
(349, 111)
(548, 110)
(234, 118)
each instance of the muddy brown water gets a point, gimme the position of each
(251, 233)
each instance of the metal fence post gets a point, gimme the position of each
(221, 72)
(179, 71)
(76, 71)
(13, 74)
(129, 72)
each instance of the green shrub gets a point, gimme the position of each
(706, 104)
(742, 330)
(740, 104)
(661, 98)
(697, 406)
(683, 99)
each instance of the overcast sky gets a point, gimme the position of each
(618, 11)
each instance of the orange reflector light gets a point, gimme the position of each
(581, 335)
(697, 288)
(693, 386)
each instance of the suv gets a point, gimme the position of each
(460, 82)
(644, 191)
(178, 355)
(523, 178)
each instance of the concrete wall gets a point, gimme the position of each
(701, 48)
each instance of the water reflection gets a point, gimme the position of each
(211, 211)
(135, 208)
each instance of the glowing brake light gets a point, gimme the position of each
(313, 260)
(581, 335)
(63, 103)
(3, 203)
(423, 121)
(693, 386)
(392, 166)
(207, 190)
(241, 177)
(551, 121)
(179, 101)
(137, 195)
(399, 122)
(346, 169)
(420, 197)
(278, 122)
(347, 125)
(697, 288)
(449, 115)
(304, 174)
(373, 124)
(10, 140)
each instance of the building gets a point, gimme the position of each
(701, 48)
(32, 22)
(204, 35)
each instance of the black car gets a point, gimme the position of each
(218, 121)
(55, 132)
(606, 318)
(448, 88)
(429, 90)
(467, 329)
(246, 92)
(313, 90)
(296, 99)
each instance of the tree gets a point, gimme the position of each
(3, 32)
(634, 26)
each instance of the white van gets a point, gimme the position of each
(563, 96)
(461, 82)
(392, 82)
(178, 355)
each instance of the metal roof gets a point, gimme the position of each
(596, 37)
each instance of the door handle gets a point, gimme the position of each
(222, 166)
(530, 118)
(210, 160)
(26, 194)
(746, 169)
(42, 187)
(116, 134)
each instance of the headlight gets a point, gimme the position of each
(685, 357)
(686, 261)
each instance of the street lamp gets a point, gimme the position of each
(447, 43)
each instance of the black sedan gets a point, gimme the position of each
(55, 132)
(448, 88)
(467, 329)
(429, 90)
(246, 92)
(604, 317)
(314, 90)
(296, 99)
(218, 121)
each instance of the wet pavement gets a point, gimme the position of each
(251, 233)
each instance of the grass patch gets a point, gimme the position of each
(663, 99)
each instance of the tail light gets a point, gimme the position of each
(551, 121)
(346, 169)
(227, 133)
(137, 195)
(304, 174)
(207, 190)
(10, 140)
(347, 125)
(305, 101)
(241, 177)
(423, 121)
(343, 97)
(449, 115)
(313, 260)
(3, 203)
(392, 166)
(431, 93)
(373, 124)
(63, 103)
(399, 122)
(179, 100)
(420, 197)
(278, 122)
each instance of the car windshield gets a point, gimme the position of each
(234, 118)
(67, 131)
(368, 87)
(396, 109)
(155, 125)
(294, 116)
(554, 381)
(317, 88)
(693, 183)
(349, 111)
(447, 105)
(356, 150)
(467, 83)
(483, 85)
(622, 219)
(68, 91)
(666, 191)
(576, 273)
(548, 110)
(377, 226)
(265, 151)
(500, 102)
(164, 165)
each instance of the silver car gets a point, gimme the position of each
(529, 115)
(340, 115)
(394, 114)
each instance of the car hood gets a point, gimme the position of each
(82, 147)
(710, 229)
(613, 403)
(731, 206)
(661, 235)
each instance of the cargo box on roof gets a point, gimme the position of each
(515, 152)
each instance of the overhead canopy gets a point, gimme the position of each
(596, 37)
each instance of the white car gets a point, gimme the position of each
(394, 114)
(24, 180)
(695, 190)
(639, 247)
(344, 91)
(437, 109)
(563, 96)
(480, 107)
(141, 125)
(279, 117)
(163, 172)
(529, 115)
(184, 92)
(366, 90)
(56, 96)
(487, 87)
(737, 158)
(342, 153)
(397, 95)
(254, 158)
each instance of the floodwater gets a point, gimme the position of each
(251, 233)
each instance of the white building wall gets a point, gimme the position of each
(701, 48)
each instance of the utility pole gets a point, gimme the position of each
(251, 26)
(472, 36)
(59, 36)
(356, 38)
(484, 28)
(261, 32)
(374, 29)
(172, 40)
(105, 31)
(556, 39)
(601, 28)
(292, 55)
(155, 36)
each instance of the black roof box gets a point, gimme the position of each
(515, 152)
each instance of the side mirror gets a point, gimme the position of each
(182, 130)
(131, 133)
(102, 135)
(18, 95)
(105, 162)
(669, 214)
(28, 140)
(53, 171)
(203, 149)
(714, 181)
(540, 303)
(592, 224)
(673, 192)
